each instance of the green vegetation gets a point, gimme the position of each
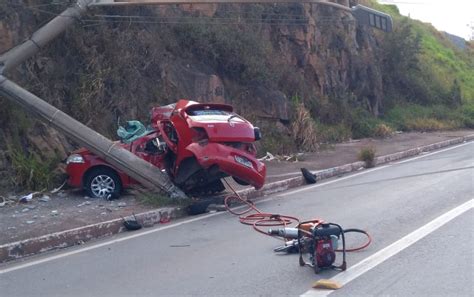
(239, 54)
(411, 117)
(438, 68)
(109, 71)
(303, 129)
(367, 155)
(428, 86)
(30, 172)
(332, 133)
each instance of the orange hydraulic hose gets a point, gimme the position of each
(259, 219)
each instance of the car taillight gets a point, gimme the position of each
(200, 136)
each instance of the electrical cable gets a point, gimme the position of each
(267, 18)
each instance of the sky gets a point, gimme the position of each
(452, 16)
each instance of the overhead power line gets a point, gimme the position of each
(225, 17)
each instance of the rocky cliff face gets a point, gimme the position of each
(103, 71)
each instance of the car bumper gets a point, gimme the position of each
(75, 172)
(225, 158)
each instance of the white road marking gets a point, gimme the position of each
(124, 238)
(393, 249)
(433, 153)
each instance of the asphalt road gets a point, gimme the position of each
(214, 255)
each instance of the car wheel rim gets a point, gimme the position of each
(102, 185)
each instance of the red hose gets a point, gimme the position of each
(259, 219)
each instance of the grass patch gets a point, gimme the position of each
(411, 117)
(363, 124)
(439, 62)
(303, 129)
(428, 125)
(367, 155)
(333, 133)
(275, 142)
(31, 173)
(383, 131)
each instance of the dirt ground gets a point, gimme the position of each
(47, 213)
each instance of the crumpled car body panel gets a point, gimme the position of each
(195, 143)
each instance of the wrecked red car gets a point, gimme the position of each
(196, 144)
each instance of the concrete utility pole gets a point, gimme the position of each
(142, 171)
(43, 36)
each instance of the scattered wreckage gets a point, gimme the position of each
(195, 144)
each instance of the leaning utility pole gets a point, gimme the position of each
(140, 170)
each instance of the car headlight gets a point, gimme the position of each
(244, 161)
(75, 158)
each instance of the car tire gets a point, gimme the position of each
(102, 183)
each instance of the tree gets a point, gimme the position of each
(402, 77)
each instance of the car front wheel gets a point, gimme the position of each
(102, 182)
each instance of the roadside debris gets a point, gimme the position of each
(267, 157)
(132, 224)
(6, 201)
(59, 188)
(164, 217)
(216, 207)
(287, 158)
(309, 177)
(27, 198)
(62, 194)
(84, 203)
(54, 213)
(44, 198)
